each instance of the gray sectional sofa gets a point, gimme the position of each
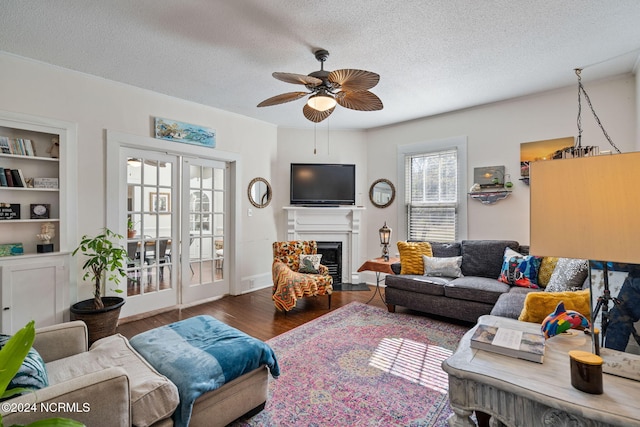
(464, 298)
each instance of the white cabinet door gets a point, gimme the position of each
(33, 288)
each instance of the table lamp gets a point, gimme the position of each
(589, 208)
(385, 237)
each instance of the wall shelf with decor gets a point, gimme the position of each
(38, 207)
(489, 197)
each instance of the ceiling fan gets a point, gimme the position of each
(347, 87)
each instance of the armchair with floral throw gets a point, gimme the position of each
(293, 279)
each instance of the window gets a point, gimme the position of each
(199, 202)
(431, 186)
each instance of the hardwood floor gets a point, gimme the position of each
(254, 313)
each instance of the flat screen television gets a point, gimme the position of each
(323, 184)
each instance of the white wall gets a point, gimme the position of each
(494, 133)
(97, 104)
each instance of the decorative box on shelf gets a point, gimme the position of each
(489, 197)
(45, 182)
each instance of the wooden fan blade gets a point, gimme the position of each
(282, 98)
(354, 80)
(315, 115)
(362, 101)
(298, 79)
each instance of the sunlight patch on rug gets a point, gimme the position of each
(414, 361)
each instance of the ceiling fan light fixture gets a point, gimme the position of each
(321, 102)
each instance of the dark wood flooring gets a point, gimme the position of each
(254, 313)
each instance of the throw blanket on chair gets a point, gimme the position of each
(201, 354)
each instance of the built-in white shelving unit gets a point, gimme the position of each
(37, 285)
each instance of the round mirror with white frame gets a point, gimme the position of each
(382, 193)
(259, 192)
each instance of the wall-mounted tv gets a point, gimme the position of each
(323, 184)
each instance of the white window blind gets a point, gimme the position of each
(432, 195)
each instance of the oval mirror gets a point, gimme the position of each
(382, 193)
(259, 192)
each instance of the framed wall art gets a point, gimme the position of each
(160, 202)
(187, 133)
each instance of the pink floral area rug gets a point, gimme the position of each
(361, 366)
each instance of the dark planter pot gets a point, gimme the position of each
(100, 323)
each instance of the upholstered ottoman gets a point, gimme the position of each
(220, 372)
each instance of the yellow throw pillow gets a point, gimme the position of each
(546, 270)
(411, 256)
(538, 305)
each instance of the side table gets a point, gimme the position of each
(379, 265)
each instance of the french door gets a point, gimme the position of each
(152, 218)
(205, 202)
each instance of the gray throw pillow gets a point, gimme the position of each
(442, 267)
(568, 275)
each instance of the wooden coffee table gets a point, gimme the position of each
(517, 392)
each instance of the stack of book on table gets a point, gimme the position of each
(509, 342)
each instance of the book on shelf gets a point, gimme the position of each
(28, 147)
(8, 177)
(3, 178)
(509, 342)
(22, 178)
(4, 145)
(17, 179)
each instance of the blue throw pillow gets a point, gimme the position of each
(32, 375)
(520, 270)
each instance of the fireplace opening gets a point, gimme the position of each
(332, 258)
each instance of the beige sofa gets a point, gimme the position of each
(112, 385)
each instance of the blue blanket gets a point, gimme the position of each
(201, 354)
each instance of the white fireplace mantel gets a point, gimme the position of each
(329, 224)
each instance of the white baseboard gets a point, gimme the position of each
(256, 282)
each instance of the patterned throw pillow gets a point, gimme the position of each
(442, 267)
(411, 256)
(520, 270)
(547, 266)
(32, 375)
(568, 275)
(309, 264)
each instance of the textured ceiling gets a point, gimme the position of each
(433, 56)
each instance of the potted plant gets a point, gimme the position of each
(131, 232)
(105, 261)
